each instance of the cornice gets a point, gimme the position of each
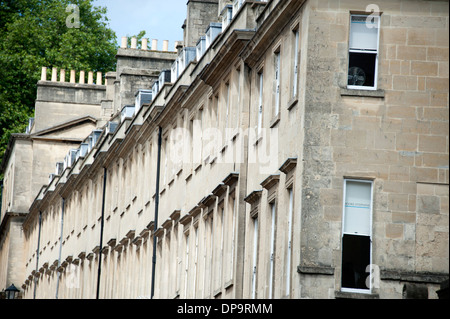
(288, 165)
(253, 197)
(270, 181)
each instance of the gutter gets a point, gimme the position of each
(1, 198)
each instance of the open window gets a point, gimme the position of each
(357, 235)
(363, 52)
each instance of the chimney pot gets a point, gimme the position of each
(165, 45)
(72, 76)
(91, 77)
(124, 43)
(44, 74)
(99, 78)
(133, 42)
(82, 77)
(154, 44)
(54, 74)
(62, 75)
(144, 44)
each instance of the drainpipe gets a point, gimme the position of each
(156, 210)
(37, 252)
(1, 198)
(60, 247)
(101, 233)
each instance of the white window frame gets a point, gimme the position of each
(221, 258)
(273, 211)
(255, 255)
(350, 50)
(355, 290)
(227, 106)
(233, 218)
(211, 252)
(296, 60)
(166, 159)
(260, 102)
(186, 267)
(238, 103)
(289, 246)
(195, 260)
(277, 81)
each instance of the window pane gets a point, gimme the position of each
(361, 71)
(364, 33)
(355, 259)
(357, 207)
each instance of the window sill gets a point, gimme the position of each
(228, 284)
(258, 140)
(275, 121)
(355, 295)
(293, 102)
(316, 270)
(362, 93)
(234, 135)
(224, 148)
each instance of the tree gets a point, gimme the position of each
(138, 37)
(37, 33)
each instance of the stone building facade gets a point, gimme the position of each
(290, 149)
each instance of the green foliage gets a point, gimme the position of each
(139, 39)
(33, 34)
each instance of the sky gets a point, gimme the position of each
(160, 19)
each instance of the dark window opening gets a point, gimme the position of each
(361, 69)
(355, 259)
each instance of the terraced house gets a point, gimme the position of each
(283, 149)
